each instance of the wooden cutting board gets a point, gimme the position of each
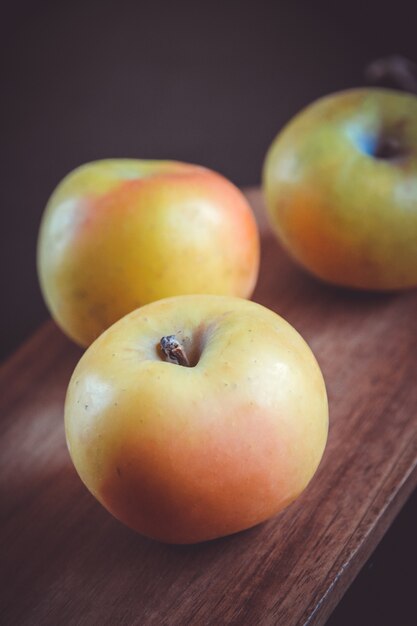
(65, 560)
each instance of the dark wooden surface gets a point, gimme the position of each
(64, 560)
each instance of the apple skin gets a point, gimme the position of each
(187, 454)
(118, 234)
(345, 214)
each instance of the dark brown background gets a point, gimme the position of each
(210, 83)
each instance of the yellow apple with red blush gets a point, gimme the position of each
(340, 183)
(195, 417)
(117, 234)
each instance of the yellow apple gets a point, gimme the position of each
(340, 184)
(195, 417)
(118, 234)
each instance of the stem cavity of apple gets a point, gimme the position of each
(174, 351)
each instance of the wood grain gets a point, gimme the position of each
(65, 560)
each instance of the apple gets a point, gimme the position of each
(118, 234)
(195, 417)
(340, 184)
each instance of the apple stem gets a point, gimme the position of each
(396, 69)
(174, 350)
